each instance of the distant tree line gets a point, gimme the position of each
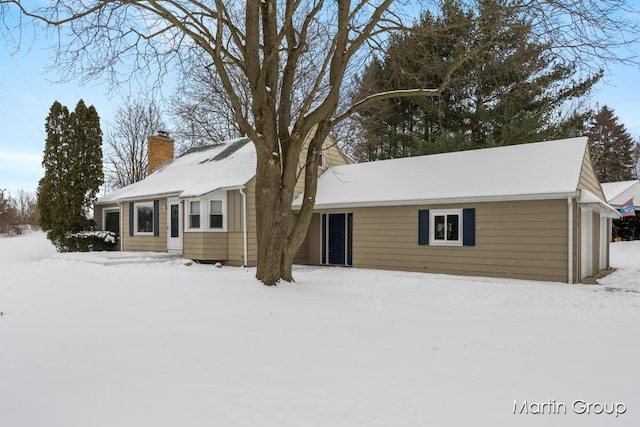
(18, 212)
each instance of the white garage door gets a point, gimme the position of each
(586, 244)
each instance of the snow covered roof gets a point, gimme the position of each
(225, 165)
(618, 193)
(529, 171)
(588, 199)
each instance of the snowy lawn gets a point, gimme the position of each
(164, 344)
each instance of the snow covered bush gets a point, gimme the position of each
(88, 241)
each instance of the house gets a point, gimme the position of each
(197, 204)
(533, 211)
(617, 195)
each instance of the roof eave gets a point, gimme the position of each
(101, 201)
(443, 201)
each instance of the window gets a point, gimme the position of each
(446, 227)
(111, 220)
(215, 214)
(452, 227)
(207, 214)
(194, 214)
(321, 157)
(143, 218)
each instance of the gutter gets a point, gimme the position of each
(570, 245)
(244, 227)
(121, 225)
(119, 200)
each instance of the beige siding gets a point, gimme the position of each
(302, 256)
(525, 240)
(205, 246)
(235, 254)
(250, 190)
(588, 179)
(333, 156)
(314, 242)
(145, 243)
(234, 210)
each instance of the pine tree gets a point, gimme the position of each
(73, 170)
(611, 147)
(509, 90)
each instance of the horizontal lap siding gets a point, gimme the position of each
(236, 248)
(302, 256)
(588, 179)
(252, 241)
(526, 240)
(205, 246)
(145, 243)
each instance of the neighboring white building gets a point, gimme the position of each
(617, 194)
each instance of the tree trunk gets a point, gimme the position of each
(279, 232)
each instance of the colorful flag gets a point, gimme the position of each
(628, 209)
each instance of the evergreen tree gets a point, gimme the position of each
(73, 170)
(612, 148)
(508, 91)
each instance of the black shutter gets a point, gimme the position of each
(156, 218)
(468, 227)
(423, 227)
(131, 219)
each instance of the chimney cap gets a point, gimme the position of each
(163, 133)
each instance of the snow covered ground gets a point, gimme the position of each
(164, 344)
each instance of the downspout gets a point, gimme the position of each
(570, 269)
(244, 227)
(121, 225)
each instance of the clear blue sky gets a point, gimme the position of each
(27, 92)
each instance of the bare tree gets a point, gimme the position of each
(201, 108)
(27, 208)
(293, 57)
(126, 153)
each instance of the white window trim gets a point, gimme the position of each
(432, 227)
(187, 223)
(104, 215)
(205, 212)
(224, 216)
(135, 219)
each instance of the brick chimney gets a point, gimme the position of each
(160, 150)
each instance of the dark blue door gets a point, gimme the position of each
(337, 228)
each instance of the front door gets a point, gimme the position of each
(337, 230)
(174, 220)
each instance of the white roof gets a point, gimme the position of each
(588, 199)
(521, 172)
(226, 165)
(618, 193)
